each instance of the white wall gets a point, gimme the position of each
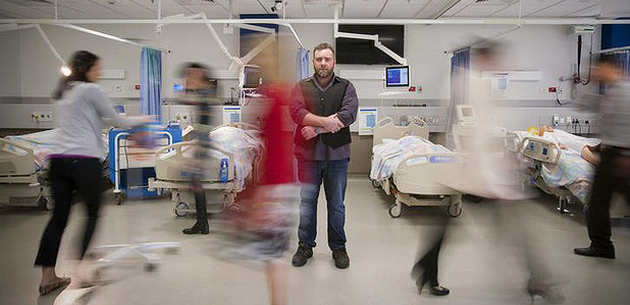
(27, 63)
(29, 68)
(548, 49)
(10, 64)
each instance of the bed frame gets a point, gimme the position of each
(172, 176)
(20, 183)
(548, 152)
(413, 183)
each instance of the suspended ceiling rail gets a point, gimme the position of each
(484, 21)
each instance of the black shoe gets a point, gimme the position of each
(302, 255)
(198, 228)
(596, 252)
(436, 289)
(342, 261)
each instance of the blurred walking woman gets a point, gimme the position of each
(75, 160)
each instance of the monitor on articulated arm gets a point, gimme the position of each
(466, 115)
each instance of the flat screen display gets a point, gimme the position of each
(252, 77)
(397, 76)
(363, 52)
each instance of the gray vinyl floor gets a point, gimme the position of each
(483, 261)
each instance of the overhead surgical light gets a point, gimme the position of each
(66, 71)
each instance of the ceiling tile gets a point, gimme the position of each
(403, 9)
(20, 9)
(567, 8)
(359, 8)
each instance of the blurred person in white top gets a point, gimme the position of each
(76, 158)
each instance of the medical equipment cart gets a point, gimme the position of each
(131, 167)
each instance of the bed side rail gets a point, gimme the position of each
(430, 158)
(179, 146)
(385, 129)
(541, 150)
(4, 143)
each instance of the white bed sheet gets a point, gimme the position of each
(41, 143)
(245, 145)
(572, 171)
(390, 153)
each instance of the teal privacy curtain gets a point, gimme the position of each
(460, 66)
(301, 64)
(151, 82)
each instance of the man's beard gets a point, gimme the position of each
(323, 73)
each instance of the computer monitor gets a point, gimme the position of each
(251, 77)
(466, 114)
(120, 109)
(397, 77)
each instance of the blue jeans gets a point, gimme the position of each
(334, 175)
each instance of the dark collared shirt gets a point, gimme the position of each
(347, 114)
(614, 108)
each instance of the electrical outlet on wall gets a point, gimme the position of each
(184, 117)
(43, 116)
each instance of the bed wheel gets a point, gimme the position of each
(395, 210)
(151, 267)
(375, 184)
(181, 210)
(455, 210)
(475, 199)
(120, 198)
(45, 203)
(234, 208)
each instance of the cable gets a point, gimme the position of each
(579, 57)
(590, 63)
(578, 78)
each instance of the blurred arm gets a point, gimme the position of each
(106, 111)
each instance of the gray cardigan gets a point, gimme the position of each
(78, 118)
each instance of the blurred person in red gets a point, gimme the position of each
(278, 189)
(260, 230)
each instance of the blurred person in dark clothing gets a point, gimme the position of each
(201, 92)
(613, 171)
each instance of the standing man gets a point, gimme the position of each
(613, 171)
(324, 106)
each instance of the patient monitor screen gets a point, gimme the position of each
(252, 77)
(397, 76)
(467, 112)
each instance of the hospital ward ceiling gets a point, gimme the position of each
(403, 9)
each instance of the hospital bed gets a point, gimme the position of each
(236, 146)
(562, 173)
(20, 181)
(413, 180)
(540, 152)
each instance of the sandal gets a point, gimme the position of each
(62, 282)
